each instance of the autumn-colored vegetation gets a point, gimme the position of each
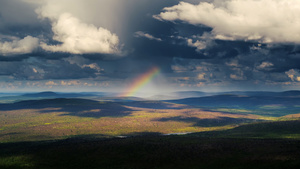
(79, 133)
(65, 118)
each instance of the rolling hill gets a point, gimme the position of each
(224, 130)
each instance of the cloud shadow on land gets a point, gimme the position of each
(71, 107)
(154, 105)
(221, 121)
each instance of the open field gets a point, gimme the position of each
(49, 132)
(60, 122)
(49, 119)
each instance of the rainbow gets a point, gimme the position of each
(141, 81)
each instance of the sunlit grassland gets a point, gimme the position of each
(84, 136)
(52, 123)
(273, 106)
(268, 112)
(64, 118)
(292, 116)
(82, 133)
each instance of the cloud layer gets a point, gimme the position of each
(16, 46)
(265, 21)
(197, 44)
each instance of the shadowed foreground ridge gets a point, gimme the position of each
(242, 147)
(153, 152)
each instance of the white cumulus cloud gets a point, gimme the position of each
(79, 38)
(198, 44)
(265, 21)
(76, 36)
(146, 35)
(201, 42)
(293, 74)
(15, 46)
(265, 66)
(94, 66)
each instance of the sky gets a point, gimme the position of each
(107, 45)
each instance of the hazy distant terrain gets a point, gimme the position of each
(51, 120)
(49, 115)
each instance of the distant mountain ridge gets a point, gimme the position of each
(248, 99)
(265, 93)
(41, 94)
(180, 95)
(50, 94)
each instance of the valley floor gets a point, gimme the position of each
(222, 132)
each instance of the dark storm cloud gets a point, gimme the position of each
(40, 69)
(188, 52)
(225, 56)
(18, 18)
(255, 65)
(19, 29)
(175, 39)
(9, 68)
